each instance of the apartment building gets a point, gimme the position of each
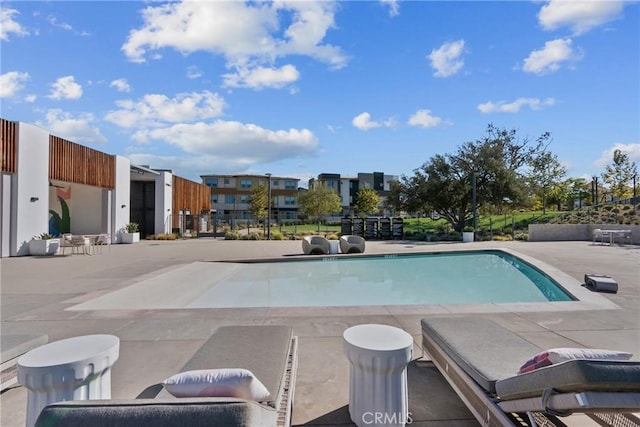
(230, 195)
(348, 187)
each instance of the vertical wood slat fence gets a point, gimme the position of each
(8, 137)
(71, 162)
(189, 195)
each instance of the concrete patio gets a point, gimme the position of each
(37, 291)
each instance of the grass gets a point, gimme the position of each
(519, 221)
(511, 224)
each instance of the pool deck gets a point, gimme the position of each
(37, 292)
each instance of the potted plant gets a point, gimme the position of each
(467, 234)
(44, 244)
(130, 233)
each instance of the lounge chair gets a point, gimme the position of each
(480, 360)
(269, 352)
(351, 244)
(315, 245)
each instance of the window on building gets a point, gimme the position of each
(214, 199)
(275, 183)
(289, 200)
(211, 182)
(290, 185)
(244, 198)
(227, 181)
(229, 198)
(245, 183)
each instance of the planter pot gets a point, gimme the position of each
(467, 236)
(130, 237)
(44, 247)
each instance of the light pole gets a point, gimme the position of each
(268, 206)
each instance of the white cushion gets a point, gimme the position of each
(558, 355)
(231, 382)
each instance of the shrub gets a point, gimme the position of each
(277, 235)
(43, 236)
(131, 227)
(333, 236)
(231, 235)
(254, 235)
(506, 238)
(170, 236)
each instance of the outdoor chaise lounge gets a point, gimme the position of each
(315, 245)
(480, 360)
(350, 244)
(268, 351)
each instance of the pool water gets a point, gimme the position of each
(444, 278)
(469, 277)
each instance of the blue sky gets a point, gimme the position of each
(301, 88)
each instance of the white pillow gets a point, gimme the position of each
(217, 383)
(558, 355)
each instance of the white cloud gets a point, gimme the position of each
(249, 35)
(515, 106)
(11, 83)
(193, 72)
(121, 85)
(9, 26)
(54, 22)
(581, 16)
(76, 129)
(446, 60)
(238, 143)
(423, 118)
(551, 57)
(65, 88)
(363, 122)
(394, 7)
(606, 158)
(157, 110)
(262, 77)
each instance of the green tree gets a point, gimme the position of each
(495, 161)
(545, 176)
(618, 174)
(258, 202)
(366, 201)
(319, 201)
(395, 200)
(578, 192)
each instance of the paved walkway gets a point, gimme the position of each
(36, 293)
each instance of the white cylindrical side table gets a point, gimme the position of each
(333, 246)
(378, 393)
(76, 368)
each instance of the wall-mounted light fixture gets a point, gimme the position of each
(34, 199)
(123, 206)
(168, 184)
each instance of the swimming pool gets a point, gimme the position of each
(463, 277)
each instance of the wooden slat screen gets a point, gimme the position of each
(191, 196)
(8, 145)
(76, 163)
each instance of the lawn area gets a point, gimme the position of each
(519, 220)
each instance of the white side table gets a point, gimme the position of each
(378, 393)
(76, 368)
(333, 246)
